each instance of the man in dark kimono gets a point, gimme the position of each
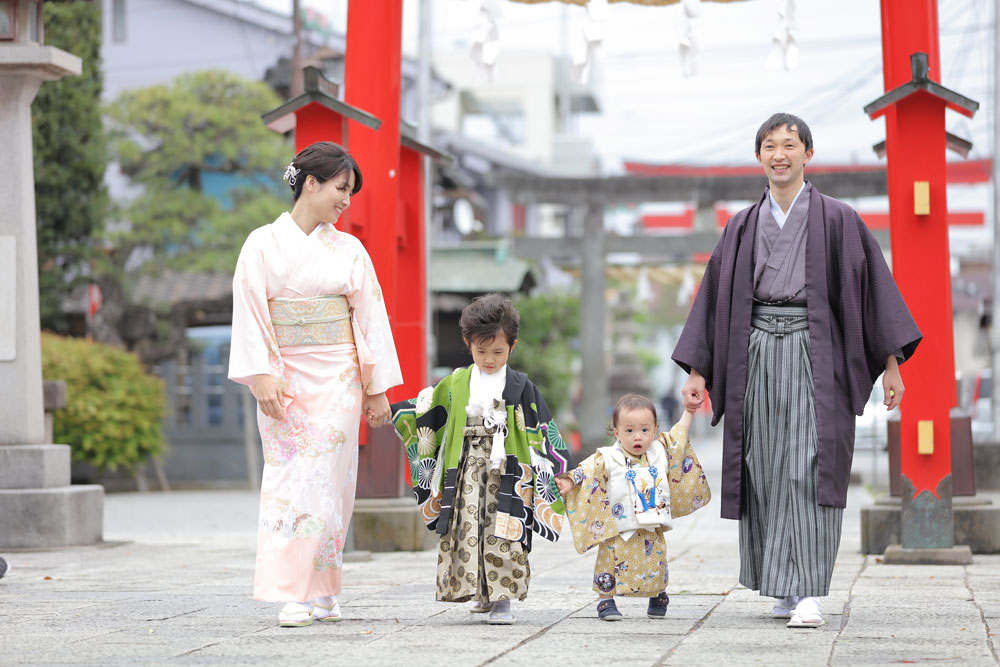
(796, 317)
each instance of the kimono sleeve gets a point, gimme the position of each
(697, 345)
(587, 505)
(689, 489)
(376, 349)
(534, 417)
(888, 326)
(253, 342)
(421, 423)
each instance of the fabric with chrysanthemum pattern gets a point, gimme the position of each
(310, 456)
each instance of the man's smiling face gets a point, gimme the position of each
(783, 156)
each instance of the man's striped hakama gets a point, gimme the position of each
(788, 542)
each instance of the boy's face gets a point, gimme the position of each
(784, 156)
(636, 430)
(490, 355)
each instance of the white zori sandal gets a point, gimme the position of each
(295, 615)
(784, 607)
(326, 609)
(807, 614)
(480, 607)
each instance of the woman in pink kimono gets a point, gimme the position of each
(311, 338)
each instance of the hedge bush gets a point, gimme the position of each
(113, 407)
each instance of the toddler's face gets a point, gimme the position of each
(490, 355)
(636, 430)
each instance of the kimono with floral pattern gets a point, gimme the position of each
(431, 428)
(311, 456)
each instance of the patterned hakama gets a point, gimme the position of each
(788, 541)
(474, 564)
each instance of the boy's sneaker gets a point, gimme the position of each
(608, 611)
(658, 606)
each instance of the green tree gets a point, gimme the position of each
(70, 156)
(550, 324)
(207, 172)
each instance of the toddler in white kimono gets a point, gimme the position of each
(624, 497)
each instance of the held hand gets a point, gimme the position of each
(693, 391)
(266, 393)
(564, 484)
(376, 410)
(892, 384)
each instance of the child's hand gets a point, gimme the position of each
(564, 484)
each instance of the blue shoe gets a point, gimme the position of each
(608, 611)
(658, 606)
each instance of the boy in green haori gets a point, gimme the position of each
(484, 453)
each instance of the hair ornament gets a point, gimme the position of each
(291, 173)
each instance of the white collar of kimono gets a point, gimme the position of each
(285, 220)
(779, 215)
(485, 387)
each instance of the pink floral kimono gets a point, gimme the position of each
(308, 310)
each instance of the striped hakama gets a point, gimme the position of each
(788, 541)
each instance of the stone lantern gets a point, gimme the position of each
(38, 506)
(21, 21)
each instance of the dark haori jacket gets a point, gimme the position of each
(432, 428)
(857, 319)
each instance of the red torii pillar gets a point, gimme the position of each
(913, 107)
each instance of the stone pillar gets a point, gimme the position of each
(593, 312)
(38, 507)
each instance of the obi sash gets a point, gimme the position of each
(319, 320)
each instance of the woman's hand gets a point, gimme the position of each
(564, 484)
(376, 410)
(268, 398)
(892, 384)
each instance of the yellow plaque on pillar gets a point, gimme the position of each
(921, 198)
(925, 437)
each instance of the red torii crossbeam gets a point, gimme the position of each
(914, 106)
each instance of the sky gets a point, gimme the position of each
(652, 112)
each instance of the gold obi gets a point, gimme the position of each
(318, 320)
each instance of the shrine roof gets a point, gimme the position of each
(478, 266)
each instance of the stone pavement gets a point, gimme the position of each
(173, 587)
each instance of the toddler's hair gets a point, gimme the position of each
(630, 402)
(489, 315)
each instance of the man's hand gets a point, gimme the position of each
(376, 410)
(268, 398)
(564, 484)
(693, 391)
(892, 384)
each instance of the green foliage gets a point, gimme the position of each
(113, 407)
(549, 325)
(171, 140)
(70, 157)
